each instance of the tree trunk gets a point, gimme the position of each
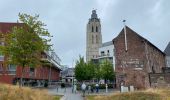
(22, 74)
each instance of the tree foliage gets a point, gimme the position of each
(107, 70)
(24, 44)
(88, 71)
(84, 71)
(80, 72)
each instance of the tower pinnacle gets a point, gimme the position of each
(94, 15)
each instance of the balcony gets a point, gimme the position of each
(104, 55)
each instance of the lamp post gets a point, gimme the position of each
(72, 77)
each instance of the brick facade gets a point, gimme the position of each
(39, 73)
(141, 58)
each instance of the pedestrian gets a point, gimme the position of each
(57, 87)
(83, 87)
(75, 88)
(106, 88)
(97, 87)
(89, 89)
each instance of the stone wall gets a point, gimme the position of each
(141, 58)
(160, 79)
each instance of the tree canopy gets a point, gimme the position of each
(88, 71)
(24, 44)
(107, 70)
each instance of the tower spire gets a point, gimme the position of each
(94, 15)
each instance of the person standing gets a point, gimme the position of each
(97, 87)
(75, 88)
(89, 89)
(83, 87)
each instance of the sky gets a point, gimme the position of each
(66, 20)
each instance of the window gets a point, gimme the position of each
(153, 69)
(92, 29)
(11, 69)
(92, 39)
(108, 52)
(97, 39)
(96, 29)
(31, 73)
(102, 53)
(1, 67)
(1, 56)
(2, 43)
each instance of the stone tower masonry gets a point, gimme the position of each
(93, 37)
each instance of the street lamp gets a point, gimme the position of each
(72, 77)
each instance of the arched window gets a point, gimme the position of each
(92, 39)
(92, 29)
(96, 29)
(97, 40)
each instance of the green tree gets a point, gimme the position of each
(98, 74)
(84, 71)
(107, 71)
(90, 70)
(79, 69)
(25, 43)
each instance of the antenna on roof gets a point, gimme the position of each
(125, 34)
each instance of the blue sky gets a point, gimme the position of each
(66, 20)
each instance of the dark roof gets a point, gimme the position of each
(167, 50)
(127, 28)
(107, 44)
(6, 27)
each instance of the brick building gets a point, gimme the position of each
(167, 52)
(10, 74)
(136, 57)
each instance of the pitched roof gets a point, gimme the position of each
(127, 28)
(107, 44)
(6, 27)
(167, 50)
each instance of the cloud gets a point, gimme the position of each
(66, 20)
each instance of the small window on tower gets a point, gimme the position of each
(96, 29)
(92, 39)
(97, 41)
(92, 29)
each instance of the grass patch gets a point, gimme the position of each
(10, 92)
(57, 97)
(150, 94)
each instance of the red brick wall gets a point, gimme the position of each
(129, 62)
(4, 78)
(39, 73)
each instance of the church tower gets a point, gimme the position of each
(93, 37)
